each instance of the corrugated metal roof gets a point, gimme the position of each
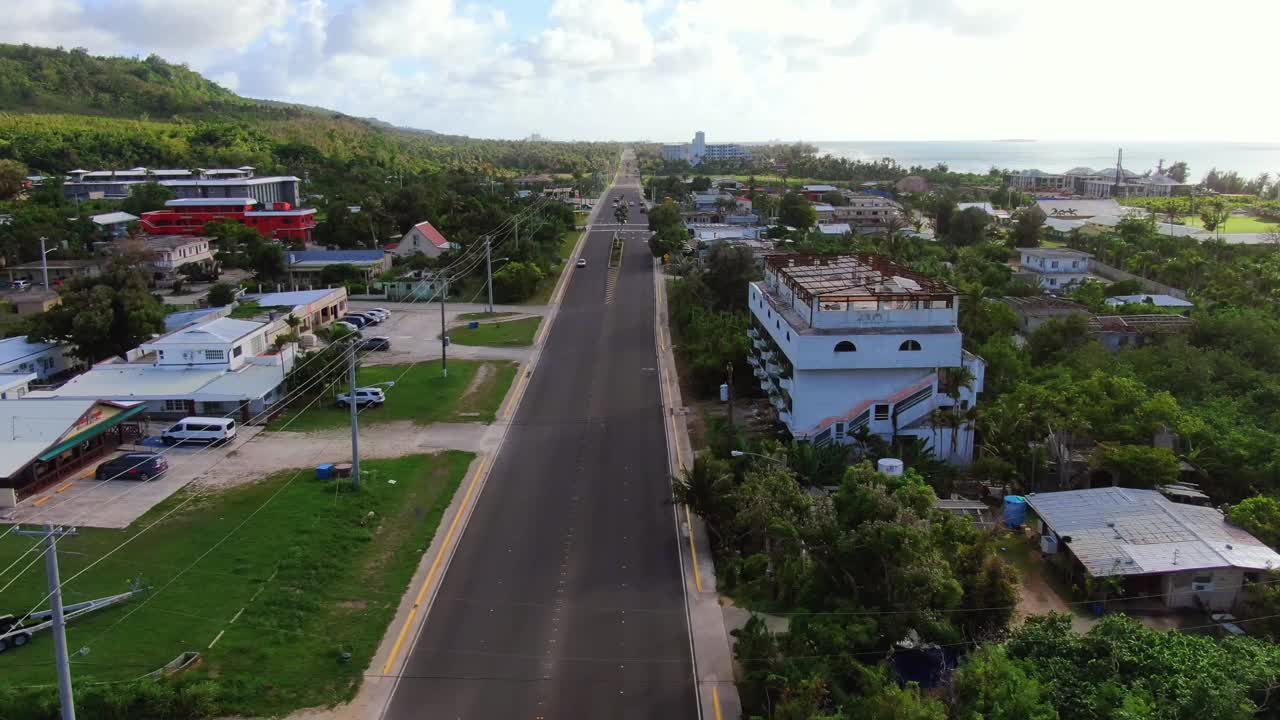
(250, 382)
(293, 298)
(17, 348)
(1123, 531)
(27, 427)
(1155, 299)
(223, 329)
(134, 382)
(112, 218)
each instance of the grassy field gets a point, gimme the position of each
(484, 315)
(1236, 224)
(421, 395)
(308, 574)
(512, 333)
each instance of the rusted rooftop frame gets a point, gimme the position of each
(851, 271)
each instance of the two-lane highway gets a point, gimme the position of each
(564, 597)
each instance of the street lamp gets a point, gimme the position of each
(741, 453)
(44, 261)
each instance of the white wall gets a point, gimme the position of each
(820, 394)
(1226, 583)
(44, 364)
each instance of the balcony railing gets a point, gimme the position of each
(773, 368)
(761, 374)
(786, 383)
(760, 344)
(768, 355)
(753, 333)
(753, 361)
(785, 419)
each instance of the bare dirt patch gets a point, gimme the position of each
(483, 373)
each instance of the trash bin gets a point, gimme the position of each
(325, 471)
(473, 325)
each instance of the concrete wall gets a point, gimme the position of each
(1151, 286)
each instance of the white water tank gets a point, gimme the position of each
(890, 466)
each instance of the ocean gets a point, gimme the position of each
(1248, 159)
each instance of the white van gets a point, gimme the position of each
(200, 430)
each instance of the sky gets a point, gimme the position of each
(740, 70)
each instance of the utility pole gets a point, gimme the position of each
(729, 368)
(355, 419)
(444, 330)
(51, 535)
(488, 264)
(44, 263)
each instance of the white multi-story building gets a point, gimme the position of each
(698, 150)
(856, 344)
(1056, 268)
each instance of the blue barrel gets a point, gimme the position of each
(325, 471)
(1015, 510)
(473, 325)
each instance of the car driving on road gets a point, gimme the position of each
(582, 262)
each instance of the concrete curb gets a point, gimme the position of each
(712, 654)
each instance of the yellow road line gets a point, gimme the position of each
(715, 700)
(42, 500)
(64, 487)
(693, 550)
(435, 567)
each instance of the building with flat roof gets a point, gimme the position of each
(222, 367)
(15, 385)
(315, 308)
(45, 359)
(188, 216)
(1035, 310)
(59, 270)
(306, 265)
(699, 150)
(168, 253)
(212, 183)
(1055, 269)
(854, 344)
(1187, 555)
(113, 224)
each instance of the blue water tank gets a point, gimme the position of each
(325, 471)
(1015, 510)
(473, 325)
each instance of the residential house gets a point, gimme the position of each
(15, 385)
(305, 266)
(1156, 299)
(834, 228)
(423, 238)
(114, 225)
(825, 211)
(1055, 269)
(1036, 310)
(865, 212)
(815, 192)
(1116, 332)
(996, 214)
(854, 344)
(221, 367)
(1186, 555)
(59, 270)
(47, 441)
(169, 253)
(45, 359)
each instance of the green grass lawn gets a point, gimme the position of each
(511, 333)
(421, 395)
(1236, 224)
(484, 315)
(314, 576)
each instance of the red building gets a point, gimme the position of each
(188, 216)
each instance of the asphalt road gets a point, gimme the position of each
(564, 597)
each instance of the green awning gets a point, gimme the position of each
(74, 440)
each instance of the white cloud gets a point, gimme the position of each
(739, 69)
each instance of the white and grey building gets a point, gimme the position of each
(856, 344)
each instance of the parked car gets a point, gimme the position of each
(378, 313)
(644, 210)
(347, 326)
(210, 430)
(371, 317)
(132, 466)
(582, 262)
(358, 320)
(368, 396)
(21, 284)
(377, 342)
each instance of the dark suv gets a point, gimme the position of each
(132, 466)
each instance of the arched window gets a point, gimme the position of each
(909, 346)
(846, 346)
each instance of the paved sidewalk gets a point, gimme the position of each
(712, 652)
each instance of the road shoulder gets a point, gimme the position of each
(712, 654)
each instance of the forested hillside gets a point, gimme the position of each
(60, 110)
